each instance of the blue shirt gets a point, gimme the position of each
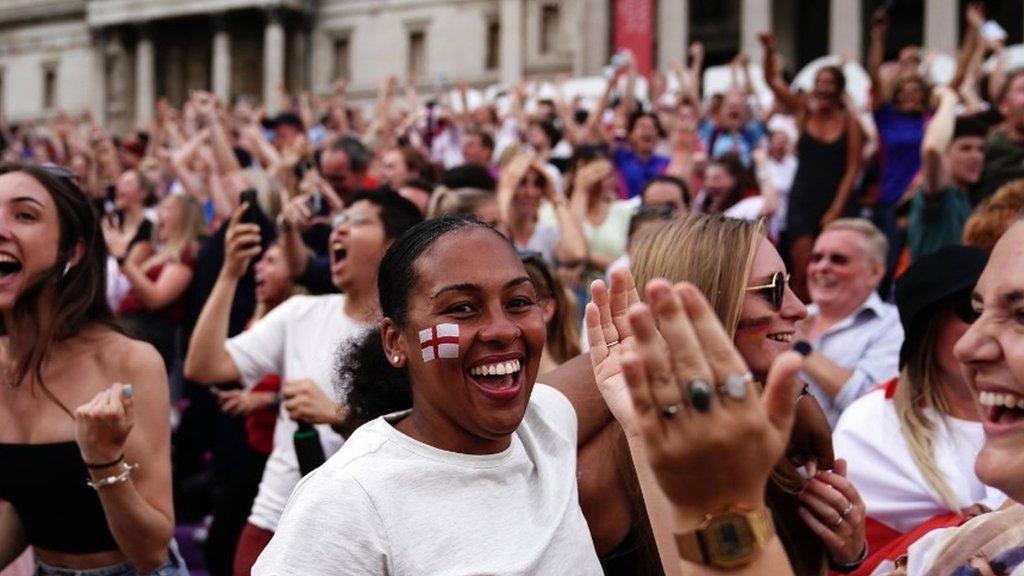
(718, 142)
(636, 173)
(868, 342)
(900, 138)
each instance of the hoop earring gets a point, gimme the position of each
(67, 267)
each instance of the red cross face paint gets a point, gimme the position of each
(441, 341)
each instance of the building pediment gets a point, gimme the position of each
(16, 11)
(102, 13)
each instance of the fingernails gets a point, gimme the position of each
(811, 466)
(128, 390)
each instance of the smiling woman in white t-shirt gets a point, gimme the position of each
(479, 476)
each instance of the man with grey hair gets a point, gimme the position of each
(854, 335)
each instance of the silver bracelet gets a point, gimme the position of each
(126, 472)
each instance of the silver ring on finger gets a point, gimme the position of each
(838, 521)
(735, 386)
(698, 392)
(846, 511)
(670, 411)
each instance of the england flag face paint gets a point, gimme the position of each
(441, 341)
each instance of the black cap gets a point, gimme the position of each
(949, 273)
(287, 119)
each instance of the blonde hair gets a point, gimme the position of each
(191, 229)
(716, 253)
(713, 252)
(919, 388)
(445, 201)
(876, 246)
(994, 216)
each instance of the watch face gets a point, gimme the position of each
(729, 540)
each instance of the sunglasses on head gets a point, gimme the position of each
(835, 259)
(775, 291)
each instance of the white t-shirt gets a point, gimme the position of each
(389, 505)
(298, 339)
(894, 491)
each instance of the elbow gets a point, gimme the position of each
(195, 370)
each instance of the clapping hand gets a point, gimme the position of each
(610, 335)
(711, 439)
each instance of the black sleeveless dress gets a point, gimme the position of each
(820, 169)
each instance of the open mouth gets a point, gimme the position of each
(500, 380)
(1003, 408)
(339, 252)
(9, 266)
(784, 337)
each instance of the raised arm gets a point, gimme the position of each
(738, 436)
(975, 16)
(208, 361)
(773, 77)
(936, 140)
(876, 54)
(695, 71)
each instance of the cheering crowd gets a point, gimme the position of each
(639, 334)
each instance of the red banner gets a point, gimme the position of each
(633, 29)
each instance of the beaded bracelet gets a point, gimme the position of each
(126, 472)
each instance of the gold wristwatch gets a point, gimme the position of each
(727, 539)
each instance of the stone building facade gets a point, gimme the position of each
(116, 57)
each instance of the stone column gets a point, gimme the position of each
(144, 76)
(755, 17)
(221, 64)
(941, 18)
(594, 21)
(672, 32)
(844, 35)
(99, 77)
(273, 61)
(511, 41)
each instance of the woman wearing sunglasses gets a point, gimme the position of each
(819, 520)
(911, 443)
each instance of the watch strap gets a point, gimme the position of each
(693, 546)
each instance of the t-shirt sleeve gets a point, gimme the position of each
(330, 527)
(259, 351)
(556, 410)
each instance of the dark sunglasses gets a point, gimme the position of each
(774, 292)
(835, 259)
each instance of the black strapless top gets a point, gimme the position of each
(46, 484)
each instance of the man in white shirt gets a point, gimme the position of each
(298, 340)
(855, 337)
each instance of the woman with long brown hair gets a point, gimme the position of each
(84, 410)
